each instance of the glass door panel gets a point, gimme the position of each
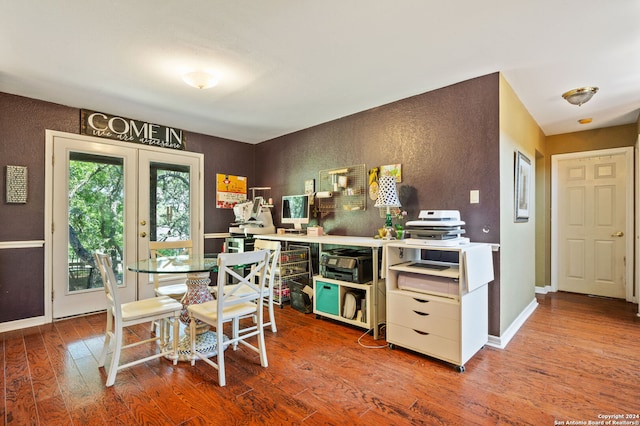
(169, 202)
(94, 180)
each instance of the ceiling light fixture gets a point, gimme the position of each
(200, 79)
(585, 120)
(580, 96)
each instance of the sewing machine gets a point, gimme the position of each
(252, 217)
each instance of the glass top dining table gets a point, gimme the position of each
(197, 267)
(182, 264)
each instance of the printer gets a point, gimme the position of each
(347, 264)
(441, 228)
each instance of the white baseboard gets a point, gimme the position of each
(23, 323)
(501, 342)
(544, 290)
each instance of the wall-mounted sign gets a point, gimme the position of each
(128, 130)
(16, 184)
(230, 190)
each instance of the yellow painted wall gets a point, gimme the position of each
(518, 132)
(589, 140)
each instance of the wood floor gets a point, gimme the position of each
(576, 359)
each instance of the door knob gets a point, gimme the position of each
(143, 222)
(143, 234)
(618, 234)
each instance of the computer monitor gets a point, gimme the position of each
(295, 210)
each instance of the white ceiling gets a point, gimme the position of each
(286, 65)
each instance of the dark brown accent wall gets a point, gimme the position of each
(448, 144)
(220, 156)
(23, 122)
(22, 141)
(21, 283)
(447, 141)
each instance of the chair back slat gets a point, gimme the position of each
(105, 266)
(181, 247)
(176, 247)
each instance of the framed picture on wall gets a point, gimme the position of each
(522, 187)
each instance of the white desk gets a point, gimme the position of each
(344, 240)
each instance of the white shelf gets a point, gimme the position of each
(449, 271)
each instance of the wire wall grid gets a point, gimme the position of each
(343, 188)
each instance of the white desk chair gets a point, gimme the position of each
(176, 291)
(232, 305)
(164, 309)
(274, 256)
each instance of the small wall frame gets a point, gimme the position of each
(16, 185)
(523, 176)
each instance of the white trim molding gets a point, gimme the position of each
(216, 235)
(501, 342)
(21, 244)
(23, 323)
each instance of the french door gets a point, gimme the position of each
(114, 197)
(168, 200)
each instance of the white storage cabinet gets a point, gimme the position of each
(438, 308)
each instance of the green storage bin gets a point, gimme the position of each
(327, 297)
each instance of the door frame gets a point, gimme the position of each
(628, 152)
(50, 135)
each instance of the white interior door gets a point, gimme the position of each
(593, 223)
(94, 204)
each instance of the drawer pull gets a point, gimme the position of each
(422, 314)
(422, 333)
(326, 287)
(420, 300)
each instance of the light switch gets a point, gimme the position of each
(474, 196)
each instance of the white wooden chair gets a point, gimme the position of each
(243, 299)
(274, 248)
(163, 309)
(176, 291)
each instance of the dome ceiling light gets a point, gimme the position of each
(580, 96)
(200, 79)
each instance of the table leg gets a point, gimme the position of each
(197, 292)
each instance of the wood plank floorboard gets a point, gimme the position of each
(575, 359)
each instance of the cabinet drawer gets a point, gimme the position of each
(327, 297)
(398, 301)
(426, 322)
(429, 344)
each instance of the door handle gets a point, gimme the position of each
(143, 234)
(618, 234)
